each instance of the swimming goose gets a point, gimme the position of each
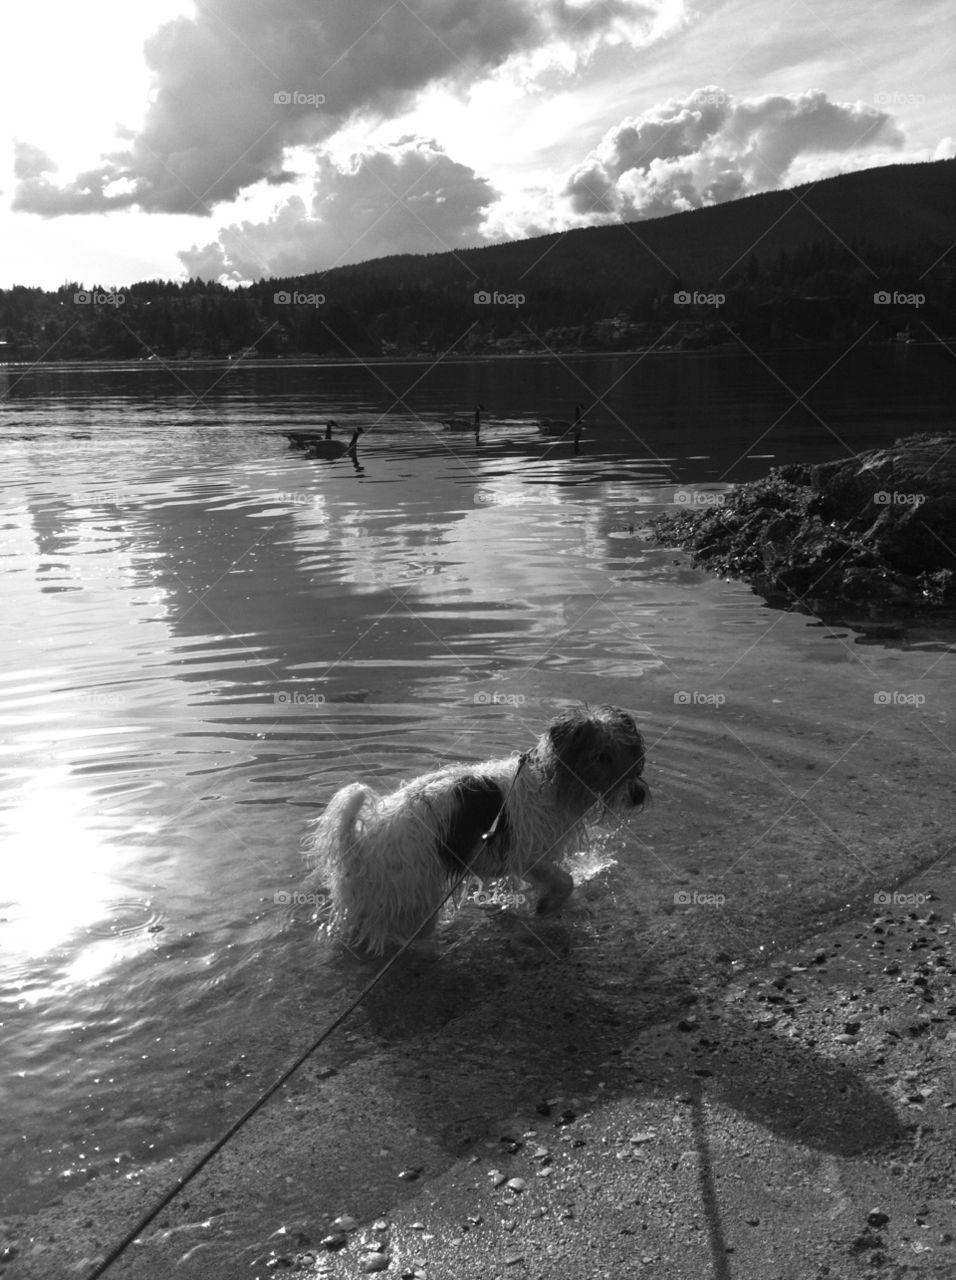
(304, 439)
(329, 448)
(465, 424)
(557, 427)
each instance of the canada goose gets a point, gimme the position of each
(557, 427)
(304, 439)
(329, 448)
(465, 424)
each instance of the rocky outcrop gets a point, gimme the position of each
(875, 529)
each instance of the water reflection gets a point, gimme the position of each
(206, 633)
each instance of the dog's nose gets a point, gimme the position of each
(638, 791)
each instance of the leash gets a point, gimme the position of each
(185, 1178)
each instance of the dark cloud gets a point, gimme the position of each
(244, 80)
(710, 147)
(407, 198)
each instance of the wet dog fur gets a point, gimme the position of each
(390, 860)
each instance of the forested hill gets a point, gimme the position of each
(903, 206)
(864, 253)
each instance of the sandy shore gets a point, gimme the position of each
(794, 1120)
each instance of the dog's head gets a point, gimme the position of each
(596, 757)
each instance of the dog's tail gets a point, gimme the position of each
(335, 831)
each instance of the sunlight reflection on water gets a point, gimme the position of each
(207, 634)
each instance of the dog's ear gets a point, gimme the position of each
(573, 737)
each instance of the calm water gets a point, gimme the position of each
(204, 634)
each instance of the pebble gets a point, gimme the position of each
(497, 1177)
(375, 1262)
(345, 1223)
(648, 1135)
(513, 1259)
(517, 1184)
(877, 1218)
(337, 1240)
(410, 1175)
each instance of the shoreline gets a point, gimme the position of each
(802, 1108)
(300, 361)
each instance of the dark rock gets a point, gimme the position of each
(878, 528)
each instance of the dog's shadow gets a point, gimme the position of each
(524, 1017)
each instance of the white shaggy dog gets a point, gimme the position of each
(389, 861)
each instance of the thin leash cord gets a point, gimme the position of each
(185, 1178)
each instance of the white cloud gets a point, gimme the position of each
(406, 198)
(214, 128)
(30, 162)
(710, 147)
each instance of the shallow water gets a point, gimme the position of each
(205, 634)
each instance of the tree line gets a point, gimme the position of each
(479, 301)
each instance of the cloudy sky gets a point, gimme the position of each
(237, 139)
